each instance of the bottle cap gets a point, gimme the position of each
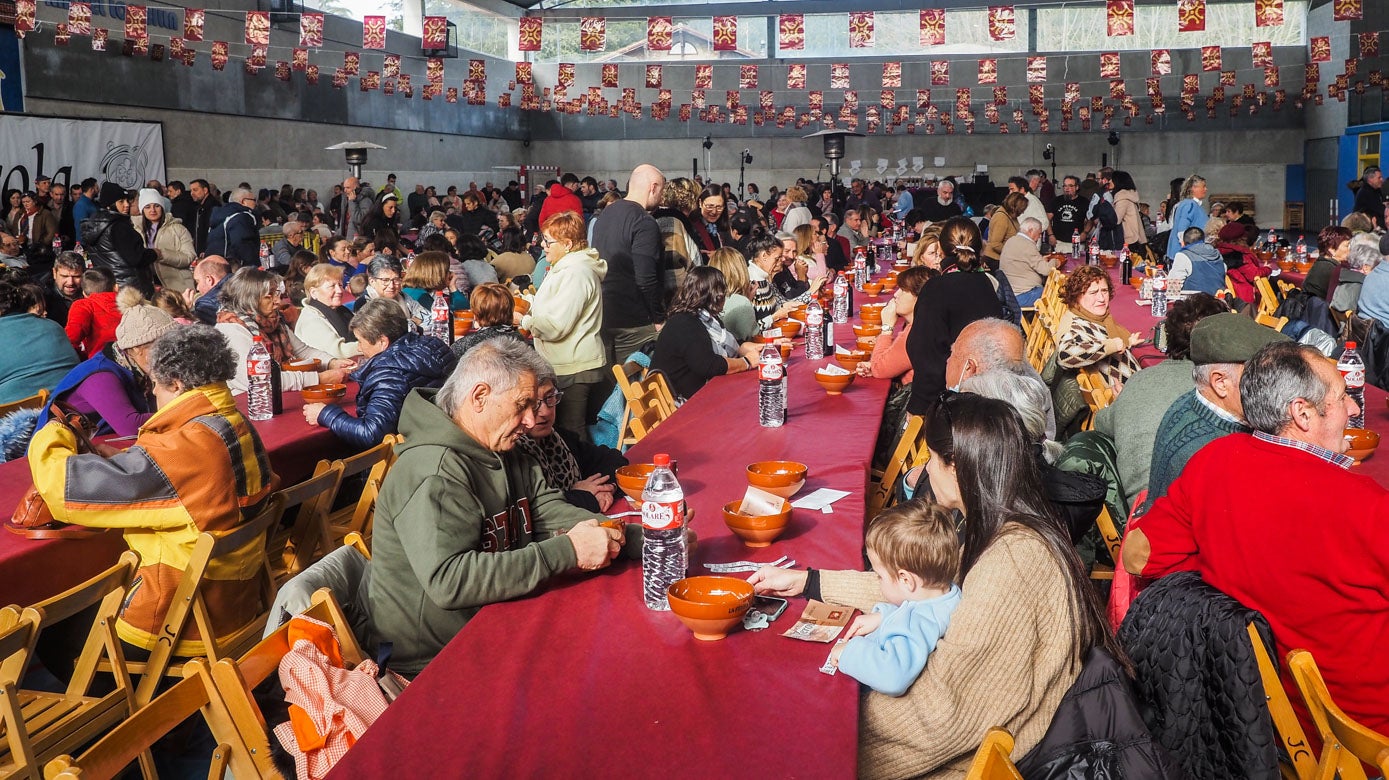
(661, 459)
(1350, 345)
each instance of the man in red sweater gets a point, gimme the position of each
(562, 197)
(1303, 541)
(92, 319)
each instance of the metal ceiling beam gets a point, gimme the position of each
(566, 9)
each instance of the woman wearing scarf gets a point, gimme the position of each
(693, 346)
(1241, 265)
(385, 278)
(323, 322)
(250, 307)
(1090, 338)
(169, 238)
(583, 471)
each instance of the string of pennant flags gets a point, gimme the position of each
(887, 115)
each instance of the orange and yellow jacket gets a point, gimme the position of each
(197, 465)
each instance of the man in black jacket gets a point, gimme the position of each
(1369, 199)
(235, 232)
(628, 238)
(201, 221)
(113, 243)
(181, 205)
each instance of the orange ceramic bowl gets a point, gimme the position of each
(1286, 265)
(756, 530)
(632, 479)
(324, 394)
(1109, 260)
(867, 330)
(779, 477)
(850, 360)
(1361, 443)
(1303, 267)
(834, 384)
(523, 306)
(785, 347)
(865, 343)
(873, 288)
(789, 328)
(710, 606)
(889, 282)
(308, 364)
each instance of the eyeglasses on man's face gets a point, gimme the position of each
(387, 281)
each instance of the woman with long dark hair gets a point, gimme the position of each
(947, 304)
(1027, 619)
(693, 346)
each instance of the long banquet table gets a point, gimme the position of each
(33, 570)
(582, 680)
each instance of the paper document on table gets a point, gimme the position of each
(760, 503)
(820, 622)
(820, 499)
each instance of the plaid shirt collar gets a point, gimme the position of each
(1336, 458)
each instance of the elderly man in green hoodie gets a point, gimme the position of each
(463, 520)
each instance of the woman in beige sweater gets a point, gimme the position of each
(1027, 617)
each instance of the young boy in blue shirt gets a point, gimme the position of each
(915, 550)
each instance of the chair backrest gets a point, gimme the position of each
(35, 401)
(649, 403)
(17, 635)
(188, 608)
(902, 457)
(245, 728)
(355, 540)
(1303, 763)
(993, 760)
(1041, 343)
(106, 591)
(309, 538)
(1345, 742)
(1271, 320)
(375, 462)
(1097, 392)
(124, 744)
(1268, 299)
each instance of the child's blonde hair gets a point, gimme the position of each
(920, 537)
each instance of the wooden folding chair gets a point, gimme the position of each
(880, 493)
(649, 403)
(128, 741)
(993, 760)
(1109, 532)
(355, 540)
(1230, 287)
(1301, 764)
(1345, 742)
(1097, 392)
(1271, 321)
(245, 728)
(1040, 345)
(188, 608)
(35, 401)
(58, 723)
(375, 462)
(1268, 299)
(308, 539)
(16, 645)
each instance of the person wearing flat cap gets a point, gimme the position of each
(112, 241)
(1240, 262)
(1220, 346)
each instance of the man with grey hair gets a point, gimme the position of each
(1277, 521)
(943, 206)
(235, 231)
(284, 249)
(1369, 199)
(991, 344)
(1023, 263)
(356, 204)
(463, 519)
(1220, 345)
(1364, 256)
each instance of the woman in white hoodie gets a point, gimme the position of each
(566, 318)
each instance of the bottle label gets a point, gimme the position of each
(659, 516)
(1354, 376)
(258, 367)
(814, 317)
(770, 371)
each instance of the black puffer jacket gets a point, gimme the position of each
(112, 242)
(1097, 733)
(411, 361)
(1198, 681)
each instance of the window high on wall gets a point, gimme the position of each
(478, 30)
(1227, 24)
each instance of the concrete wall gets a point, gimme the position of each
(1252, 161)
(271, 152)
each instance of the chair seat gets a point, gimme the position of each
(60, 724)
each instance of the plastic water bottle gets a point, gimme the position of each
(1352, 369)
(860, 268)
(1301, 250)
(814, 331)
(771, 391)
(439, 318)
(1272, 240)
(664, 555)
(841, 299)
(1094, 258)
(260, 402)
(1159, 308)
(57, 245)
(265, 262)
(1077, 246)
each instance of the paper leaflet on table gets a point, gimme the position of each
(820, 622)
(820, 499)
(760, 503)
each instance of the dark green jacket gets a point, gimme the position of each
(457, 527)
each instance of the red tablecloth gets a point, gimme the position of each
(1293, 277)
(583, 680)
(32, 570)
